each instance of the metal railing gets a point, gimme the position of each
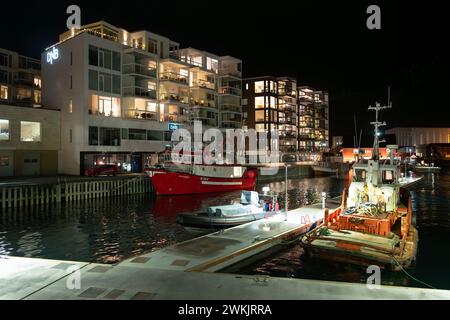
(174, 77)
(139, 92)
(139, 69)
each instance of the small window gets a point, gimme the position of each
(4, 161)
(4, 130)
(259, 86)
(30, 131)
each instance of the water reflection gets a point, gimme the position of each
(110, 230)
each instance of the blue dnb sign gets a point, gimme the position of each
(174, 126)
(52, 55)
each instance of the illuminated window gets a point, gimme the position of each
(37, 82)
(30, 131)
(23, 94)
(4, 130)
(70, 106)
(151, 106)
(259, 86)
(4, 92)
(259, 127)
(184, 73)
(212, 64)
(259, 115)
(259, 102)
(37, 96)
(105, 106)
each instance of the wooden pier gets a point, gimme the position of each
(71, 190)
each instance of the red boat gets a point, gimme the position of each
(194, 179)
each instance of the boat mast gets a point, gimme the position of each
(377, 124)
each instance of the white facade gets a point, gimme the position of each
(121, 93)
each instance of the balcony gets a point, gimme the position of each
(203, 103)
(174, 98)
(230, 91)
(231, 108)
(232, 73)
(139, 92)
(174, 77)
(175, 118)
(142, 115)
(204, 84)
(139, 69)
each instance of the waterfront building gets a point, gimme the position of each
(20, 80)
(121, 94)
(299, 113)
(29, 141)
(416, 139)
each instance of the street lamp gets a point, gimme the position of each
(286, 191)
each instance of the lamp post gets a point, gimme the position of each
(286, 191)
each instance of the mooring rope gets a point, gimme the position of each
(412, 277)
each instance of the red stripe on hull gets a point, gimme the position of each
(174, 183)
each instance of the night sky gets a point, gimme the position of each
(324, 44)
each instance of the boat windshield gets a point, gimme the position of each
(360, 175)
(388, 177)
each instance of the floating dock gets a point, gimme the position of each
(175, 272)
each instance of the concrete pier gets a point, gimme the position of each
(187, 271)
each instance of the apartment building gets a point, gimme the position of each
(121, 94)
(299, 113)
(313, 122)
(29, 141)
(20, 81)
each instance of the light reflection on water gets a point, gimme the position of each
(108, 231)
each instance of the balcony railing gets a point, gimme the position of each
(208, 103)
(139, 92)
(230, 90)
(174, 98)
(204, 84)
(232, 108)
(174, 77)
(175, 118)
(134, 68)
(142, 114)
(227, 72)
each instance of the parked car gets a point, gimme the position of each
(104, 169)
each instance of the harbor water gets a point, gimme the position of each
(111, 230)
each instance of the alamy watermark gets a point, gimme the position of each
(374, 280)
(228, 147)
(374, 20)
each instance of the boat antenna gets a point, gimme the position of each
(377, 124)
(355, 137)
(360, 138)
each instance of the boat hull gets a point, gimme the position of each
(427, 169)
(323, 171)
(203, 221)
(176, 183)
(360, 255)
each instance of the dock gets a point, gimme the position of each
(176, 272)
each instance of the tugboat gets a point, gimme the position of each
(250, 208)
(185, 179)
(374, 225)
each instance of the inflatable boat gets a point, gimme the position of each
(249, 209)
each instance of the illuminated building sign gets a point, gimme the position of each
(174, 126)
(52, 55)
